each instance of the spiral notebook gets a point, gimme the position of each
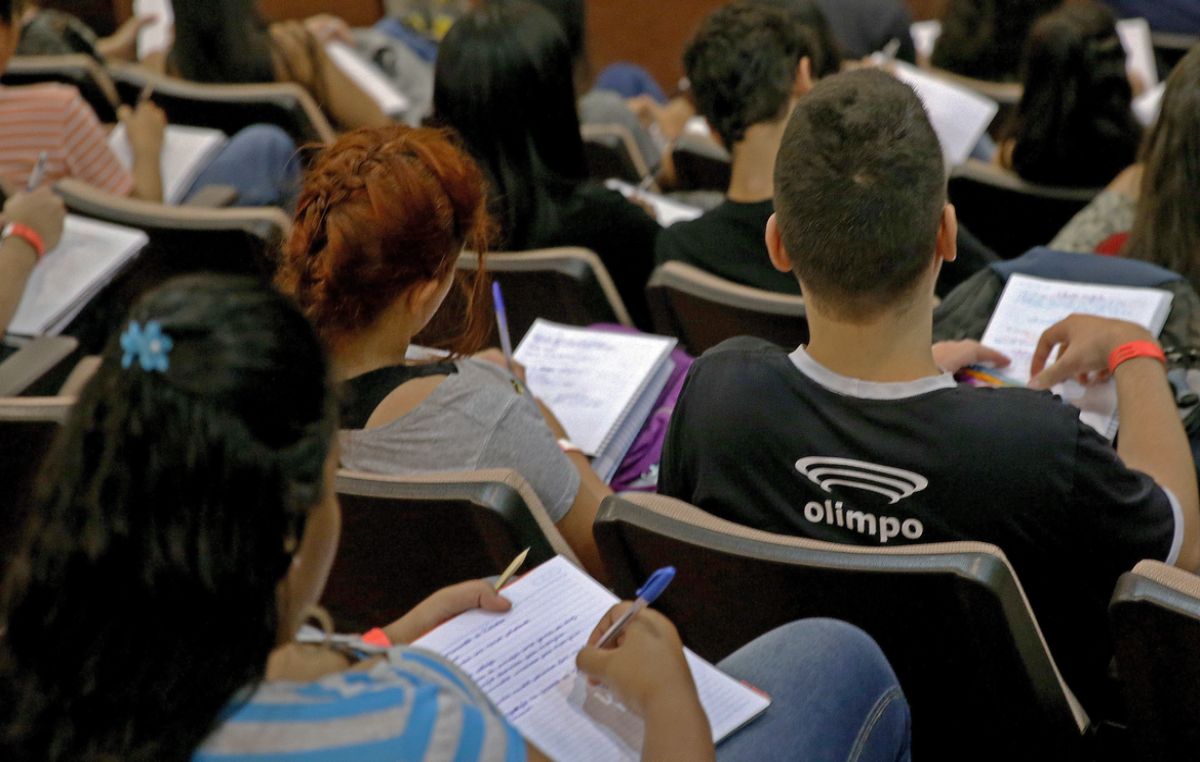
(601, 385)
(524, 661)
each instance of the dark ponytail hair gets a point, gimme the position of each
(144, 594)
(221, 41)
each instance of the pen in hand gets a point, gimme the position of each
(646, 595)
(38, 173)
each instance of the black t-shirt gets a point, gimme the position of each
(756, 440)
(729, 241)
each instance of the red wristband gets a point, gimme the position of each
(26, 234)
(1134, 349)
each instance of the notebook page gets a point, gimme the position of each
(959, 116)
(925, 35)
(588, 378)
(156, 37)
(666, 210)
(525, 662)
(86, 258)
(1030, 305)
(186, 152)
(1139, 50)
(367, 76)
(1147, 105)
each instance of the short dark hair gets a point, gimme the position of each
(742, 66)
(7, 9)
(827, 52)
(860, 185)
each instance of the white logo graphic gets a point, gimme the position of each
(893, 483)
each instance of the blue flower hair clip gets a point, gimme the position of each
(150, 347)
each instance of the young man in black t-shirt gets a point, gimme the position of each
(747, 65)
(862, 436)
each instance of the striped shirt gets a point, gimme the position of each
(55, 119)
(415, 706)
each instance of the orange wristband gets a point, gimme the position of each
(1134, 349)
(26, 234)
(377, 637)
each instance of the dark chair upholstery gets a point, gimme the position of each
(611, 152)
(951, 618)
(27, 427)
(700, 165)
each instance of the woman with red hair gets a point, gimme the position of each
(382, 219)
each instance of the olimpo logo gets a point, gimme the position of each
(893, 483)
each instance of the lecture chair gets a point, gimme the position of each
(228, 108)
(81, 71)
(611, 152)
(700, 165)
(404, 537)
(1170, 48)
(35, 366)
(27, 427)
(951, 618)
(1009, 215)
(703, 309)
(564, 285)
(1155, 615)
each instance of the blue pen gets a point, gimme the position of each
(502, 324)
(645, 596)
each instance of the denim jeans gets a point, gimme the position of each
(261, 162)
(834, 697)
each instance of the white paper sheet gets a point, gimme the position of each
(925, 35)
(85, 260)
(1139, 50)
(368, 76)
(186, 151)
(524, 661)
(960, 116)
(156, 37)
(1030, 305)
(666, 210)
(1147, 105)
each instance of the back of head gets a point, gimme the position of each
(825, 51)
(860, 187)
(144, 595)
(1075, 124)
(220, 41)
(504, 81)
(382, 210)
(1166, 229)
(985, 39)
(742, 66)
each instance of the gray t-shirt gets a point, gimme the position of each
(473, 420)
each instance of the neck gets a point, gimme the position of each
(380, 346)
(753, 173)
(891, 347)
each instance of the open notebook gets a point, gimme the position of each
(85, 260)
(960, 116)
(186, 151)
(1030, 305)
(666, 210)
(601, 385)
(524, 661)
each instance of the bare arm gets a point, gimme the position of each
(43, 212)
(146, 125)
(301, 58)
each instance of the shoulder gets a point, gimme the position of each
(48, 95)
(743, 361)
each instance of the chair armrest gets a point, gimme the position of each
(213, 197)
(32, 362)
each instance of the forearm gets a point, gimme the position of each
(1152, 440)
(147, 176)
(17, 260)
(677, 728)
(576, 526)
(347, 103)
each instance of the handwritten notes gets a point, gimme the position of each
(525, 662)
(1030, 305)
(960, 116)
(186, 151)
(667, 211)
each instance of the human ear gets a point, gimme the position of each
(947, 240)
(775, 249)
(804, 79)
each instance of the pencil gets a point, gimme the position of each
(511, 570)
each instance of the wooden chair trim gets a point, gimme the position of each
(30, 65)
(1172, 578)
(598, 133)
(1173, 41)
(693, 144)
(1004, 93)
(32, 409)
(689, 279)
(996, 177)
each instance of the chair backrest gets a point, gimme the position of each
(405, 537)
(611, 151)
(1008, 214)
(566, 285)
(951, 618)
(82, 71)
(37, 367)
(228, 108)
(27, 427)
(700, 164)
(1155, 613)
(1169, 48)
(703, 309)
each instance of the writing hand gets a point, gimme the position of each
(1084, 342)
(953, 356)
(145, 125)
(444, 605)
(40, 210)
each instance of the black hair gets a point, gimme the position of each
(985, 39)
(826, 55)
(860, 186)
(6, 10)
(1166, 227)
(221, 41)
(742, 67)
(143, 597)
(504, 81)
(1075, 124)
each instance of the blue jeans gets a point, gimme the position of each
(834, 697)
(261, 162)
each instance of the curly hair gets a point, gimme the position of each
(381, 210)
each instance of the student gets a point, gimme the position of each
(55, 119)
(1075, 124)
(186, 524)
(866, 26)
(985, 39)
(748, 64)
(36, 221)
(863, 437)
(382, 219)
(499, 67)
